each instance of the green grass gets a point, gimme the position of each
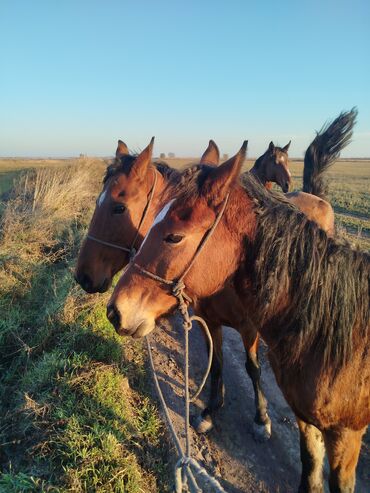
(349, 194)
(6, 180)
(76, 410)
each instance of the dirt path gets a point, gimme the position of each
(229, 451)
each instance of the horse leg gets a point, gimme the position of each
(312, 458)
(203, 423)
(343, 447)
(262, 422)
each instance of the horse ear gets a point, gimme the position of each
(211, 155)
(122, 149)
(285, 149)
(221, 179)
(271, 147)
(141, 163)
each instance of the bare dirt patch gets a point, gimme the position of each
(229, 451)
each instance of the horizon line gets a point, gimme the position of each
(86, 156)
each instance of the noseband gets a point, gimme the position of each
(131, 251)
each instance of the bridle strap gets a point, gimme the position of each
(178, 285)
(106, 243)
(146, 209)
(206, 238)
(131, 250)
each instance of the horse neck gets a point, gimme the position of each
(241, 222)
(258, 171)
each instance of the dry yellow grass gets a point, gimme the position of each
(74, 411)
(44, 201)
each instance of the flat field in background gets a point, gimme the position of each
(349, 194)
(10, 168)
(349, 189)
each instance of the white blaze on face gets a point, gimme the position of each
(162, 214)
(102, 198)
(159, 217)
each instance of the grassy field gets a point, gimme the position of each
(349, 194)
(76, 414)
(10, 169)
(75, 402)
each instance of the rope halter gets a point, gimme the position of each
(177, 285)
(178, 291)
(186, 467)
(131, 250)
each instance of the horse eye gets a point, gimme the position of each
(173, 238)
(119, 209)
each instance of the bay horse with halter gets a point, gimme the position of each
(133, 193)
(307, 293)
(124, 212)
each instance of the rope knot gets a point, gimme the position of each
(178, 288)
(184, 461)
(132, 254)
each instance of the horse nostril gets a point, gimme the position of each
(83, 280)
(113, 316)
(104, 286)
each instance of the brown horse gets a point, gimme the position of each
(121, 207)
(323, 151)
(272, 167)
(307, 293)
(119, 211)
(113, 228)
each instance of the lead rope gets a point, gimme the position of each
(184, 477)
(131, 251)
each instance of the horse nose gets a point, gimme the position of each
(105, 285)
(286, 187)
(84, 281)
(114, 316)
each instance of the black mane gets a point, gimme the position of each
(327, 280)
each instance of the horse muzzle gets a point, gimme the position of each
(136, 327)
(88, 285)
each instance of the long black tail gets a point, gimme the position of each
(324, 150)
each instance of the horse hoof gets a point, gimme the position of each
(262, 432)
(202, 424)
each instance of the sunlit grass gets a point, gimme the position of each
(76, 412)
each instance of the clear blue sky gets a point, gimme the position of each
(76, 75)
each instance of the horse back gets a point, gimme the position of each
(315, 208)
